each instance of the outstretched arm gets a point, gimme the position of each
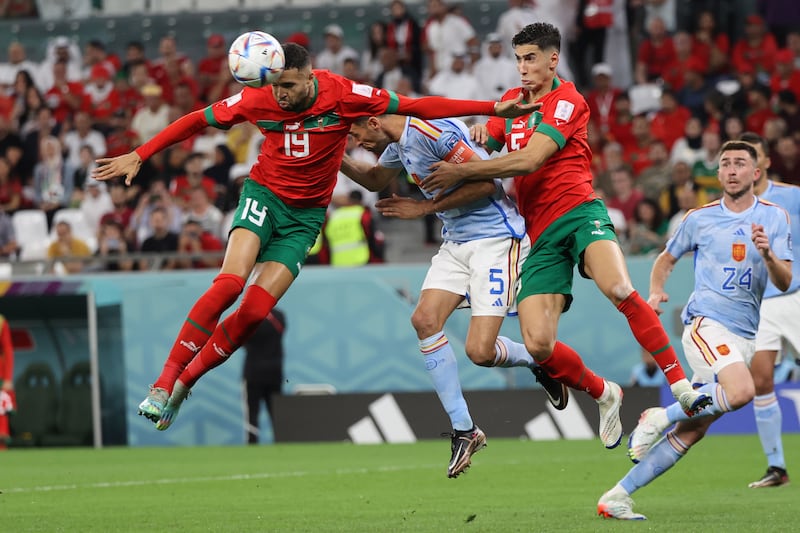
(373, 177)
(128, 164)
(662, 268)
(430, 107)
(408, 208)
(516, 163)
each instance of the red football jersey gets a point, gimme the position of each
(565, 180)
(301, 154)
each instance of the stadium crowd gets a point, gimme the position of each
(655, 138)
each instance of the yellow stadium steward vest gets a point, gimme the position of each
(346, 237)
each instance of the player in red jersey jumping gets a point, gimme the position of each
(549, 156)
(305, 117)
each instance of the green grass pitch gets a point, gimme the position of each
(512, 486)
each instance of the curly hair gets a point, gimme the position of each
(541, 34)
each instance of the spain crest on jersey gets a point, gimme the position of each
(738, 251)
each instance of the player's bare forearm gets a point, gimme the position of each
(464, 195)
(780, 271)
(373, 177)
(662, 268)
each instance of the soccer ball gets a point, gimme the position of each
(256, 59)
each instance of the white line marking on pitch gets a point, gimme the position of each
(203, 479)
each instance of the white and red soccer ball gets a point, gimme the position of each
(256, 59)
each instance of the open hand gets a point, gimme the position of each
(515, 108)
(443, 176)
(124, 165)
(656, 299)
(401, 207)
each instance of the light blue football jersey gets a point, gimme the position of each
(425, 142)
(788, 197)
(729, 273)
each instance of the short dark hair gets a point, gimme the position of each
(739, 145)
(755, 139)
(296, 56)
(541, 34)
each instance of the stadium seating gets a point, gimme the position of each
(75, 426)
(30, 226)
(80, 229)
(37, 405)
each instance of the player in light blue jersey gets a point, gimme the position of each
(484, 247)
(739, 244)
(779, 312)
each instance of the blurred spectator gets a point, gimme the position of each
(759, 110)
(134, 54)
(786, 76)
(155, 197)
(674, 74)
(370, 65)
(593, 18)
(62, 48)
(83, 134)
(220, 170)
(202, 211)
(625, 196)
(193, 176)
(774, 129)
(620, 128)
(610, 158)
(184, 101)
(793, 44)
(602, 97)
(782, 17)
(168, 54)
(789, 111)
(350, 235)
(456, 81)
(206, 142)
(28, 101)
(668, 122)
(212, 65)
(648, 232)
(193, 239)
(17, 61)
(121, 213)
(646, 372)
(689, 148)
(8, 136)
(96, 202)
(656, 177)
(161, 240)
(786, 160)
(65, 97)
(638, 154)
(705, 170)
(66, 245)
(756, 49)
(153, 117)
(351, 71)
(52, 179)
(732, 128)
(404, 36)
(102, 97)
(390, 72)
(130, 92)
(45, 126)
(335, 52)
(8, 241)
(445, 34)
(95, 54)
(121, 138)
(263, 369)
(681, 179)
(655, 52)
(695, 88)
(112, 247)
(686, 200)
(10, 188)
(496, 71)
(707, 40)
(519, 14)
(83, 173)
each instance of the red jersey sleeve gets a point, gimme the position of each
(562, 118)
(496, 127)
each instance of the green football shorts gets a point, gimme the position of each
(287, 233)
(550, 263)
